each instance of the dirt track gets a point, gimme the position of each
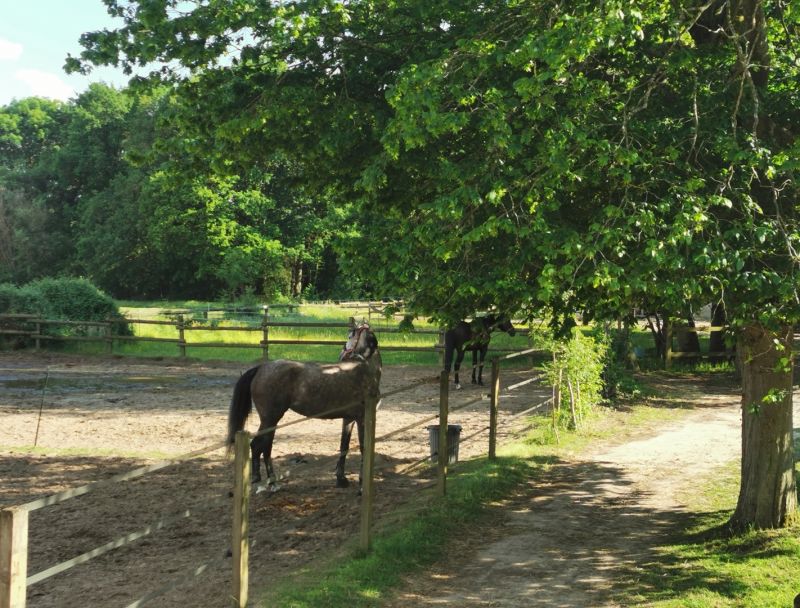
(101, 416)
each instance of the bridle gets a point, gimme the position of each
(354, 338)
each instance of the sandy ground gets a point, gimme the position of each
(594, 520)
(91, 418)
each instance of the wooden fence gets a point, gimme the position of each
(14, 579)
(31, 328)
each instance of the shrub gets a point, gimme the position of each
(63, 298)
(577, 373)
(76, 299)
(21, 300)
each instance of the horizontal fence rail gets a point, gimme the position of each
(31, 327)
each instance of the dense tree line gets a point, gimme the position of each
(108, 187)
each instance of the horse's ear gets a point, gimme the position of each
(352, 322)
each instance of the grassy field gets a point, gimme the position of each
(252, 335)
(240, 324)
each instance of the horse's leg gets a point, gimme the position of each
(262, 446)
(484, 348)
(459, 359)
(256, 449)
(360, 428)
(475, 379)
(344, 447)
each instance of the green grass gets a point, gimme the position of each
(403, 547)
(703, 566)
(305, 314)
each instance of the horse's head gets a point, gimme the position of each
(501, 323)
(361, 343)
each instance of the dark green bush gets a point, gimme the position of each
(21, 300)
(64, 298)
(75, 299)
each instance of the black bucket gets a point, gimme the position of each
(453, 435)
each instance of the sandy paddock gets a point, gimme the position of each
(103, 416)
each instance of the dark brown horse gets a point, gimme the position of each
(340, 390)
(474, 337)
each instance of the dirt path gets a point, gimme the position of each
(592, 521)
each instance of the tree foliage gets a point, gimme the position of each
(590, 156)
(99, 187)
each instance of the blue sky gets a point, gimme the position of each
(35, 38)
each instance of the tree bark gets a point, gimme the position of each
(767, 496)
(657, 325)
(716, 343)
(688, 340)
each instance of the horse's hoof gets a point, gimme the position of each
(270, 487)
(458, 386)
(342, 482)
(360, 491)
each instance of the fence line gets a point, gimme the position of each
(241, 498)
(17, 516)
(85, 489)
(122, 541)
(182, 326)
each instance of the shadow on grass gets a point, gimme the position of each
(688, 390)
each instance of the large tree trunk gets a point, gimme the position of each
(767, 497)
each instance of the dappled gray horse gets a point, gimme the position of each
(339, 390)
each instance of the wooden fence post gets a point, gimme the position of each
(444, 405)
(265, 332)
(181, 336)
(441, 348)
(38, 342)
(493, 408)
(668, 344)
(240, 542)
(367, 473)
(13, 557)
(110, 338)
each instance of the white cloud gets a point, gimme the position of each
(9, 50)
(45, 84)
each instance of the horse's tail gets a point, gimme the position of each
(241, 404)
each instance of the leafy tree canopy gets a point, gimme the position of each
(580, 156)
